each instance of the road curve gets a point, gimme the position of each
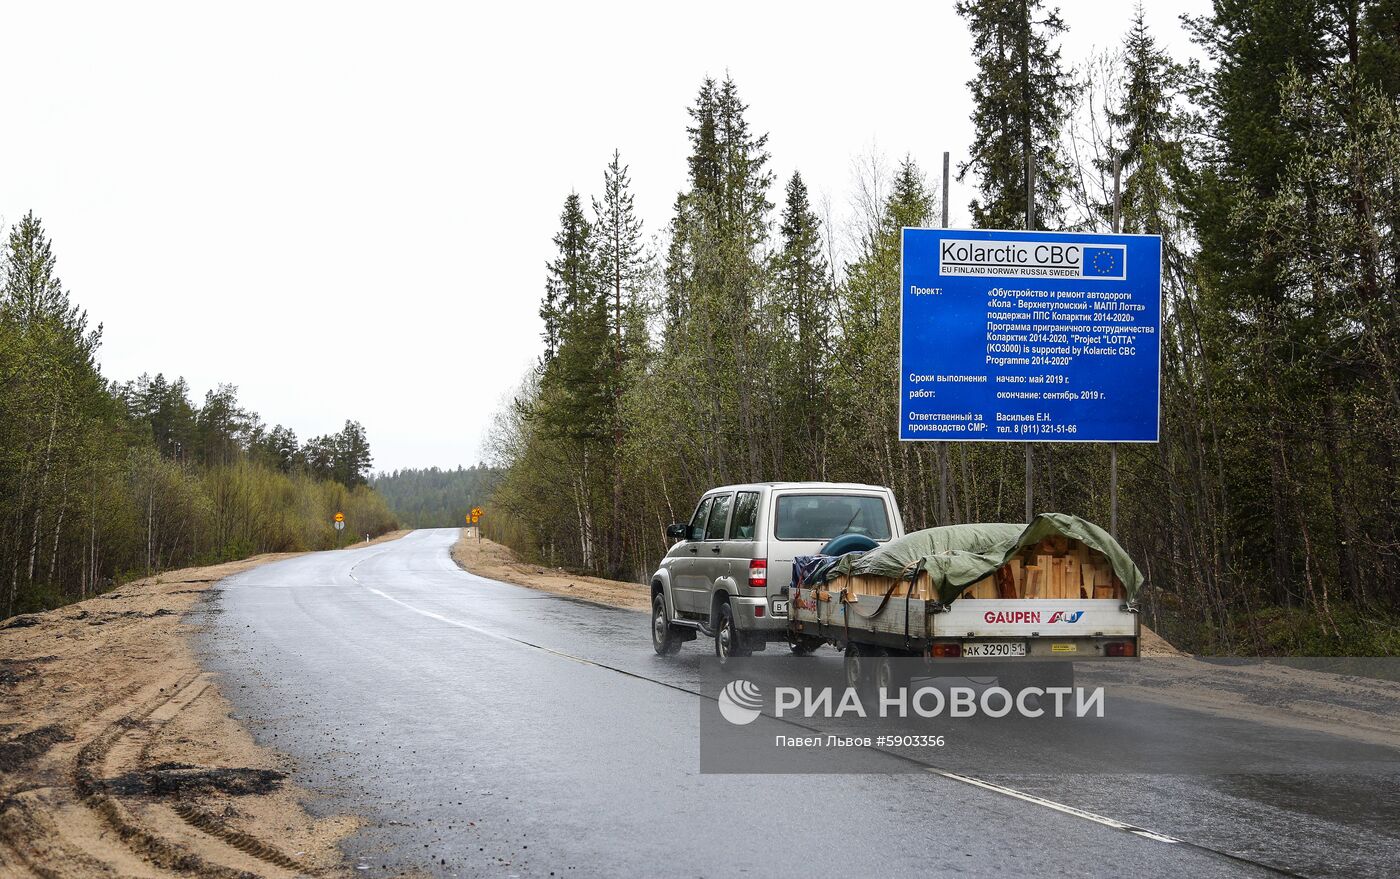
(484, 728)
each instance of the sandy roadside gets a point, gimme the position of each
(119, 757)
(1356, 708)
(489, 559)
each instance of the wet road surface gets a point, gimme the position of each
(481, 728)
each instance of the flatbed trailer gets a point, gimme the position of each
(1042, 596)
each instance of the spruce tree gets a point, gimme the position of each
(1020, 94)
(620, 261)
(578, 370)
(716, 272)
(1152, 157)
(621, 269)
(802, 305)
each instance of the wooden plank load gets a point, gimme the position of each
(872, 585)
(1057, 567)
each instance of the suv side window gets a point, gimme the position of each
(719, 515)
(697, 523)
(741, 526)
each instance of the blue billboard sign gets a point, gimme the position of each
(1030, 336)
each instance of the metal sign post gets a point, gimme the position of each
(944, 466)
(1028, 156)
(1113, 447)
(339, 527)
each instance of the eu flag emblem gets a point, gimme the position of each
(1103, 262)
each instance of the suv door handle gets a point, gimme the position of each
(715, 548)
(694, 549)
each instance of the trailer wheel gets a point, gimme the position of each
(886, 676)
(729, 641)
(666, 638)
(862, 660)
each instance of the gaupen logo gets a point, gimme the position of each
(1002, 617)
(740, 702)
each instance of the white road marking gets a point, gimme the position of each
(1051, 804)
(952, 776)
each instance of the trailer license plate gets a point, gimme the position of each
(994, 648)
(780, 606)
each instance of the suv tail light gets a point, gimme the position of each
(758, 574)
(947, 650)
(1120, 648)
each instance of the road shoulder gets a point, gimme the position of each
(119, 756)
(488, 559)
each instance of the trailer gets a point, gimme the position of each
(1006, 600)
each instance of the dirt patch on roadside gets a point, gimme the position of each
(119, 756)
(1350, 706)
(488, 559)
(1153, 646)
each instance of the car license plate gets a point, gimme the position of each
(994, 648)
(780, 607)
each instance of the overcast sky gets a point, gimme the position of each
(346, 209)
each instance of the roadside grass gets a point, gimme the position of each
(1341, 630)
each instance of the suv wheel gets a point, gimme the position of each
(729, 641)
(665, 640)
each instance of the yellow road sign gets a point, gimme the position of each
(476, 512)
(340, 517)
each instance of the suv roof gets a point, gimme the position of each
(843, 485)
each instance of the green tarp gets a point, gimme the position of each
(956, 556)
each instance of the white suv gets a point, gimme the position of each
(726, 575)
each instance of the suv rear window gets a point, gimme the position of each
(824, 516)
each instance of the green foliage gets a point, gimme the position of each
(1020, 94)
(435, 498)
(99, 481)
(1267, 516)
(1344, 630)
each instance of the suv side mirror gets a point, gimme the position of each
(678, 531)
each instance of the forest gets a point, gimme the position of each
(433, 497)
(753, 335)
(102, 481)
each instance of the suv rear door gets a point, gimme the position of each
(741, 544)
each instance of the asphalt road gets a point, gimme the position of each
(481, 728)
